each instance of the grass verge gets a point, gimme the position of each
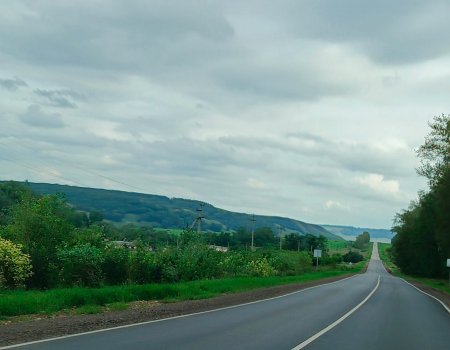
(436, 283)
(93, 300)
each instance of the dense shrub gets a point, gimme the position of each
(331, 259)
(80, 265)
(116, 264)
(352, 257)
(15, 266)
(259, 267)
(144, 267)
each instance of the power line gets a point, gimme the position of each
(40, 171)
(83, 169)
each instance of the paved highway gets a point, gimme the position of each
(369, 311)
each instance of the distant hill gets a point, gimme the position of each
(350, 232)
(159, 211)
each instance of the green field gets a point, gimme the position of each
(440, 284)
(343, 247)
(90, 300)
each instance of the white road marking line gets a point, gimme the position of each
(432, 296)
(170, 318)
(335, 323)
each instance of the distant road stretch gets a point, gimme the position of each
(369, 311)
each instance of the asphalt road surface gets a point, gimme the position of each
(369, 311)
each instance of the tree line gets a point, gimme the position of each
(46, 243)
(422, 243)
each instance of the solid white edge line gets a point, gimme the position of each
(170, 318)
(335, 323)
(431, 296)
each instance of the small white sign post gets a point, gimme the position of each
(317, 255)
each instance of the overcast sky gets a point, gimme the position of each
(307, 109)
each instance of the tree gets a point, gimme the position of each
(422, 242)
(11, 194)
(40, 226)
(15, 267)
(362, 240)
(434, 154)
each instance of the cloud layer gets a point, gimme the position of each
(308, 109)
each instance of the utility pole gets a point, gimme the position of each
(279, 234)
(199, 217)
(253, 230)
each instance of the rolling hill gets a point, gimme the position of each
(163, 212)
(350, 232)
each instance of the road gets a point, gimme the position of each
(369, 311)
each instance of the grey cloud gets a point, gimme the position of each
(12, 84)
(119, 36)
(34, 116)
(60, 98)
(390, 32)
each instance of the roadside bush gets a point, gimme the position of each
(116, 264)
(232, 264)
(15, 266)
(144, 267)
(352, 257)
(331, 259)
(290, 263)
(80, 265)
(198, 261)
(259, 267)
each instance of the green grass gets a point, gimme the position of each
(13, 303)
(117, 306)
(439, 284)
(88, 309)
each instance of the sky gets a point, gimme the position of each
(306, 109)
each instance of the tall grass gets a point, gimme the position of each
(14, 303)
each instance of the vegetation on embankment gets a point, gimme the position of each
(385, 250)
(422, 244)
(46, 302)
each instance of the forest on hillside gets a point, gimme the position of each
(163, 212)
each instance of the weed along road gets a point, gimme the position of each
(369, 311)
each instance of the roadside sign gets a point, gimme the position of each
(318, 253)
(448, 262)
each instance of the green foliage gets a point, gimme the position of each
(289, 263)
(362, 240)
(352, 257)
(422, 243)
(80, 265)
(116, 265)
(15, 267)
(159, 211)
(40, 226)
(11, 194)
(259, 267)
(144, 267)
(92, 236)
(434, 154)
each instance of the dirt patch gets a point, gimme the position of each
(59, 325)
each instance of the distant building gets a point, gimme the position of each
(125, 244)
(218, 248)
